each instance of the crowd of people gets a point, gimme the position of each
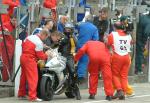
(98, 47)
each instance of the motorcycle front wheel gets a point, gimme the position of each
(46, 89)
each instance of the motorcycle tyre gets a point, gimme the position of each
(46, 94)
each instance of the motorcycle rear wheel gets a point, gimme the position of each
(46, 89)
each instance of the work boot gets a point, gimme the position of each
(77, 92)
(109, 98)
(92, 96)
(115, 96)
(121, 95)
(78, 96)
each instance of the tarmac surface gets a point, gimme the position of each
(142, 95)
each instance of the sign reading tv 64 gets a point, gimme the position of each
(3, 9)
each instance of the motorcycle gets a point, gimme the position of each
(55, 79)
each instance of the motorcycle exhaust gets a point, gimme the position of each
(60, 90)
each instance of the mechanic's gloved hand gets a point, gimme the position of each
(41, 64)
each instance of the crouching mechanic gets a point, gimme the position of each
(97, 52)
(32, 51)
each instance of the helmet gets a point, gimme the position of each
(123, 18)
(69, 25)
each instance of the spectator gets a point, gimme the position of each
(10, 46)
(61, 23)
(143, 32)
(48, 24)
(11, 4)
(51, 4)
(80, 16)
(102, 23)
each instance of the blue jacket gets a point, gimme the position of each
(36, 31)
(87, 31)
(60, 27)
(83, 3)
(23, 2)
(80, 16)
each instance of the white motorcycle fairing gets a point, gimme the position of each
(57, 64)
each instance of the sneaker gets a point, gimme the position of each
(37, 100)
(130, 95)
(109, 98)
(92, 96)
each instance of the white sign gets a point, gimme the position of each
(18, 51)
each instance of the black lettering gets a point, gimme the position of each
(125, 48)
(120, 41)
(125, 41)
(121, 47)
